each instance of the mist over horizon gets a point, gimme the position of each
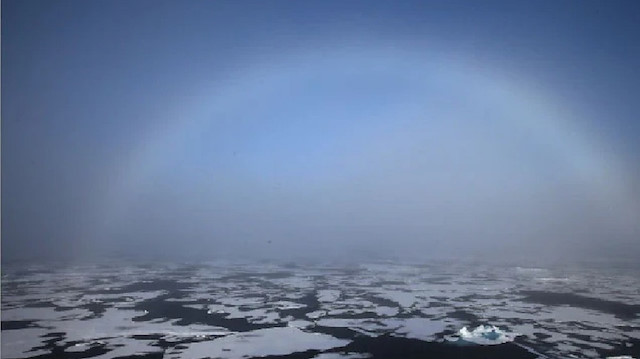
(166, 130)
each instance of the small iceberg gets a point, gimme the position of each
(483, 335)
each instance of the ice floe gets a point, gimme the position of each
(483, 335)
(262, 342)
(342, 356)
(19, 343)
(328, 295)
(417, 328)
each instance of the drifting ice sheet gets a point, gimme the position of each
(484, 335)
(262, 342)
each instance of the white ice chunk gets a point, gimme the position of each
(328, 295)
(316, 314)
(342, 356)
(484, 335)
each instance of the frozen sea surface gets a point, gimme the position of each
(377, 310)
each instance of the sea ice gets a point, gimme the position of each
(262, 342)
(484, 335)
(416, 328)
(328, 295)
(20, 343)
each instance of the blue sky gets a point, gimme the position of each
(215, 127)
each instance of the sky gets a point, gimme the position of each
(320, 129)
